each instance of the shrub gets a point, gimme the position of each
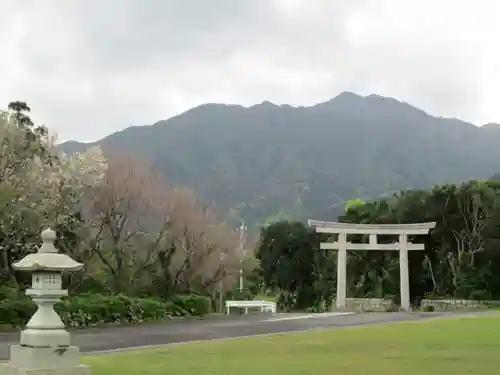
(97, 309)
(92, 309)
(16, 312)
(193, 304)
(7, 293)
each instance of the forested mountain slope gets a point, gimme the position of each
(267, 161)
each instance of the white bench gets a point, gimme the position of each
(263, 305)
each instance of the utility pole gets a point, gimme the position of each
(243, 229)
(221, 284)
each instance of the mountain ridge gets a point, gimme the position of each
(269, 161)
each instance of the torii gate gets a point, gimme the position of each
(342, 245)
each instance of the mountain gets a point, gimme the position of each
(267, 161)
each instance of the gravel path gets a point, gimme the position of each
(112, 338)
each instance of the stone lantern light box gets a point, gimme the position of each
(46, 280)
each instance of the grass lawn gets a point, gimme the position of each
(454, 346)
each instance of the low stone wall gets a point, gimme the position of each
(368, 304)
(380, 304)
(455, 304)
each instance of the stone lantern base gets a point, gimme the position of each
(44, 361)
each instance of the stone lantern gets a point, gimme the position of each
(45, 344)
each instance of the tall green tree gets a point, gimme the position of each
(459, 252)
(291, 262)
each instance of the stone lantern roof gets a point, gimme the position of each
(47, 258)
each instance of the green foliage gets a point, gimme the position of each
(129, 240)
(461, 257)
(16, 312)
(353, 203)
(291, 262)
(237, 295)
(92, 309)
(193, 304)
(461, 253)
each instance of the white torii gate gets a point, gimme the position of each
(342, 245)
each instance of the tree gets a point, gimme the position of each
(149, 233)
(461, 256)
(458, 256)
(134, 232)
(197, 241)
(129, 214)
(291, 262)
(38, 188)
(353, 203)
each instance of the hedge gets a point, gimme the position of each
(93, 309)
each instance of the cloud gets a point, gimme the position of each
(90, 67)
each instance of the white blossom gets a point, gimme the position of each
(38, 185)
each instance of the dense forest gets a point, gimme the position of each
(461, 258)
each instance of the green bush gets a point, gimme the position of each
(92, 309)
(7, 293)
(95, 309)
(16, 312)
(193, 304)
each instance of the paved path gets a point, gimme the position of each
(110, 338)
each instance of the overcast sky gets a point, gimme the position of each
(91, 67)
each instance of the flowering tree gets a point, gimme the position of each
(131, 213)
(157, 237)
(116, 216)
(38, 187)
(205, 250)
